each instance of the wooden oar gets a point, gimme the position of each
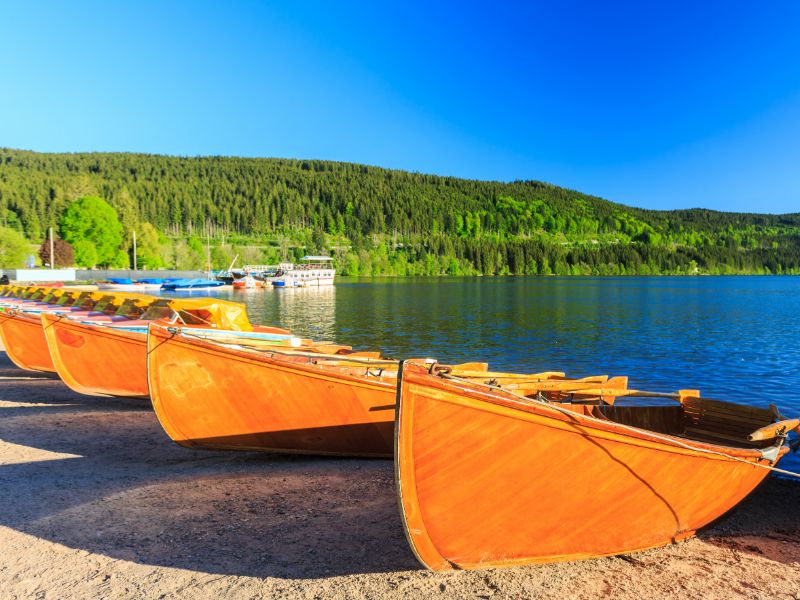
(364, 355)
(456, 371)
(582, 386)
(480, 367)
(252, 342)
(680, 394)
(328, 358)
(769, 432)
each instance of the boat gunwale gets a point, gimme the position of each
(609, 426)
(606, 427)
(101, 328)
(253, 357)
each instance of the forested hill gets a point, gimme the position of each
(381, 221)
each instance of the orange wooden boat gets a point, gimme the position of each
(212, 395)
(24, 341)
(21, 333)
(112, 360)
(326, 401)
(12, 293)
(488, 477)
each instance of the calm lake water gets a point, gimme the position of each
(735, 338)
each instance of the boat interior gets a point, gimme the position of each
(682, 414)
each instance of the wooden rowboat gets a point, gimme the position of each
(112, 360)
(487, 477)
(24, 341)
(23, 335)
(312, 400)
(225, 395)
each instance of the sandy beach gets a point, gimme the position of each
(97, 502)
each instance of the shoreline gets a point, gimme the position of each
(99, 503)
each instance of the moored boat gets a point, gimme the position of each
(489, 475)
(312, 400)
(212, 394)
(109, 359)
(23, 341)
(191, 284)
(121, 284)
(247, 282)
(312, 271)
(21, 327)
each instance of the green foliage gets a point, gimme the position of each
(380, 221)
(91, 219)
(14, 248)
(148, 247)
(121, 260)
(85, 254)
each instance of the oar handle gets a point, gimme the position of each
(680, 395)
(769, 432)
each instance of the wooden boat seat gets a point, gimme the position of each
(667, 419)
(724, 423)
(699, 419)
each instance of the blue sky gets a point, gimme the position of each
(660, 105)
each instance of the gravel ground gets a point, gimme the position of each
(96, 502)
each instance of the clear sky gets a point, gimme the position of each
(660, 105)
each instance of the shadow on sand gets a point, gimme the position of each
(117, 486)
(127, 492)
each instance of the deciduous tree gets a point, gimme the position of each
(91, 219)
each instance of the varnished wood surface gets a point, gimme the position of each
(24, 341)
(207, 395)
(97, 361)
(487, 480)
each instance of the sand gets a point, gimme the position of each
(98, 503)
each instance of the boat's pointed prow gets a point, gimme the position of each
(405, 481)
(24, 341)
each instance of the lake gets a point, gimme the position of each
(735, 338)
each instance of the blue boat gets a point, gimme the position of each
(191, 284)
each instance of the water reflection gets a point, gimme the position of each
(310, 311)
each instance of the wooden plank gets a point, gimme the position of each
(469, 373)
(719, 405)
(709, 416)
(552, 386)
(691, 432)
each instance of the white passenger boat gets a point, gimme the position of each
(313, 271)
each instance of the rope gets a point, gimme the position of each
(194, 316)
(670, 440)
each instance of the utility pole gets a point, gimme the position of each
(134, 249)
(208, 251)
(52, 251)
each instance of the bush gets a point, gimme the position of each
(65, 257)
(14, 248)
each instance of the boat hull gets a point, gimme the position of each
(96, 360)
(24, 341)
(213, 397)
(485, 480)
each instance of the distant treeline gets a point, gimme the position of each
(385, 222)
